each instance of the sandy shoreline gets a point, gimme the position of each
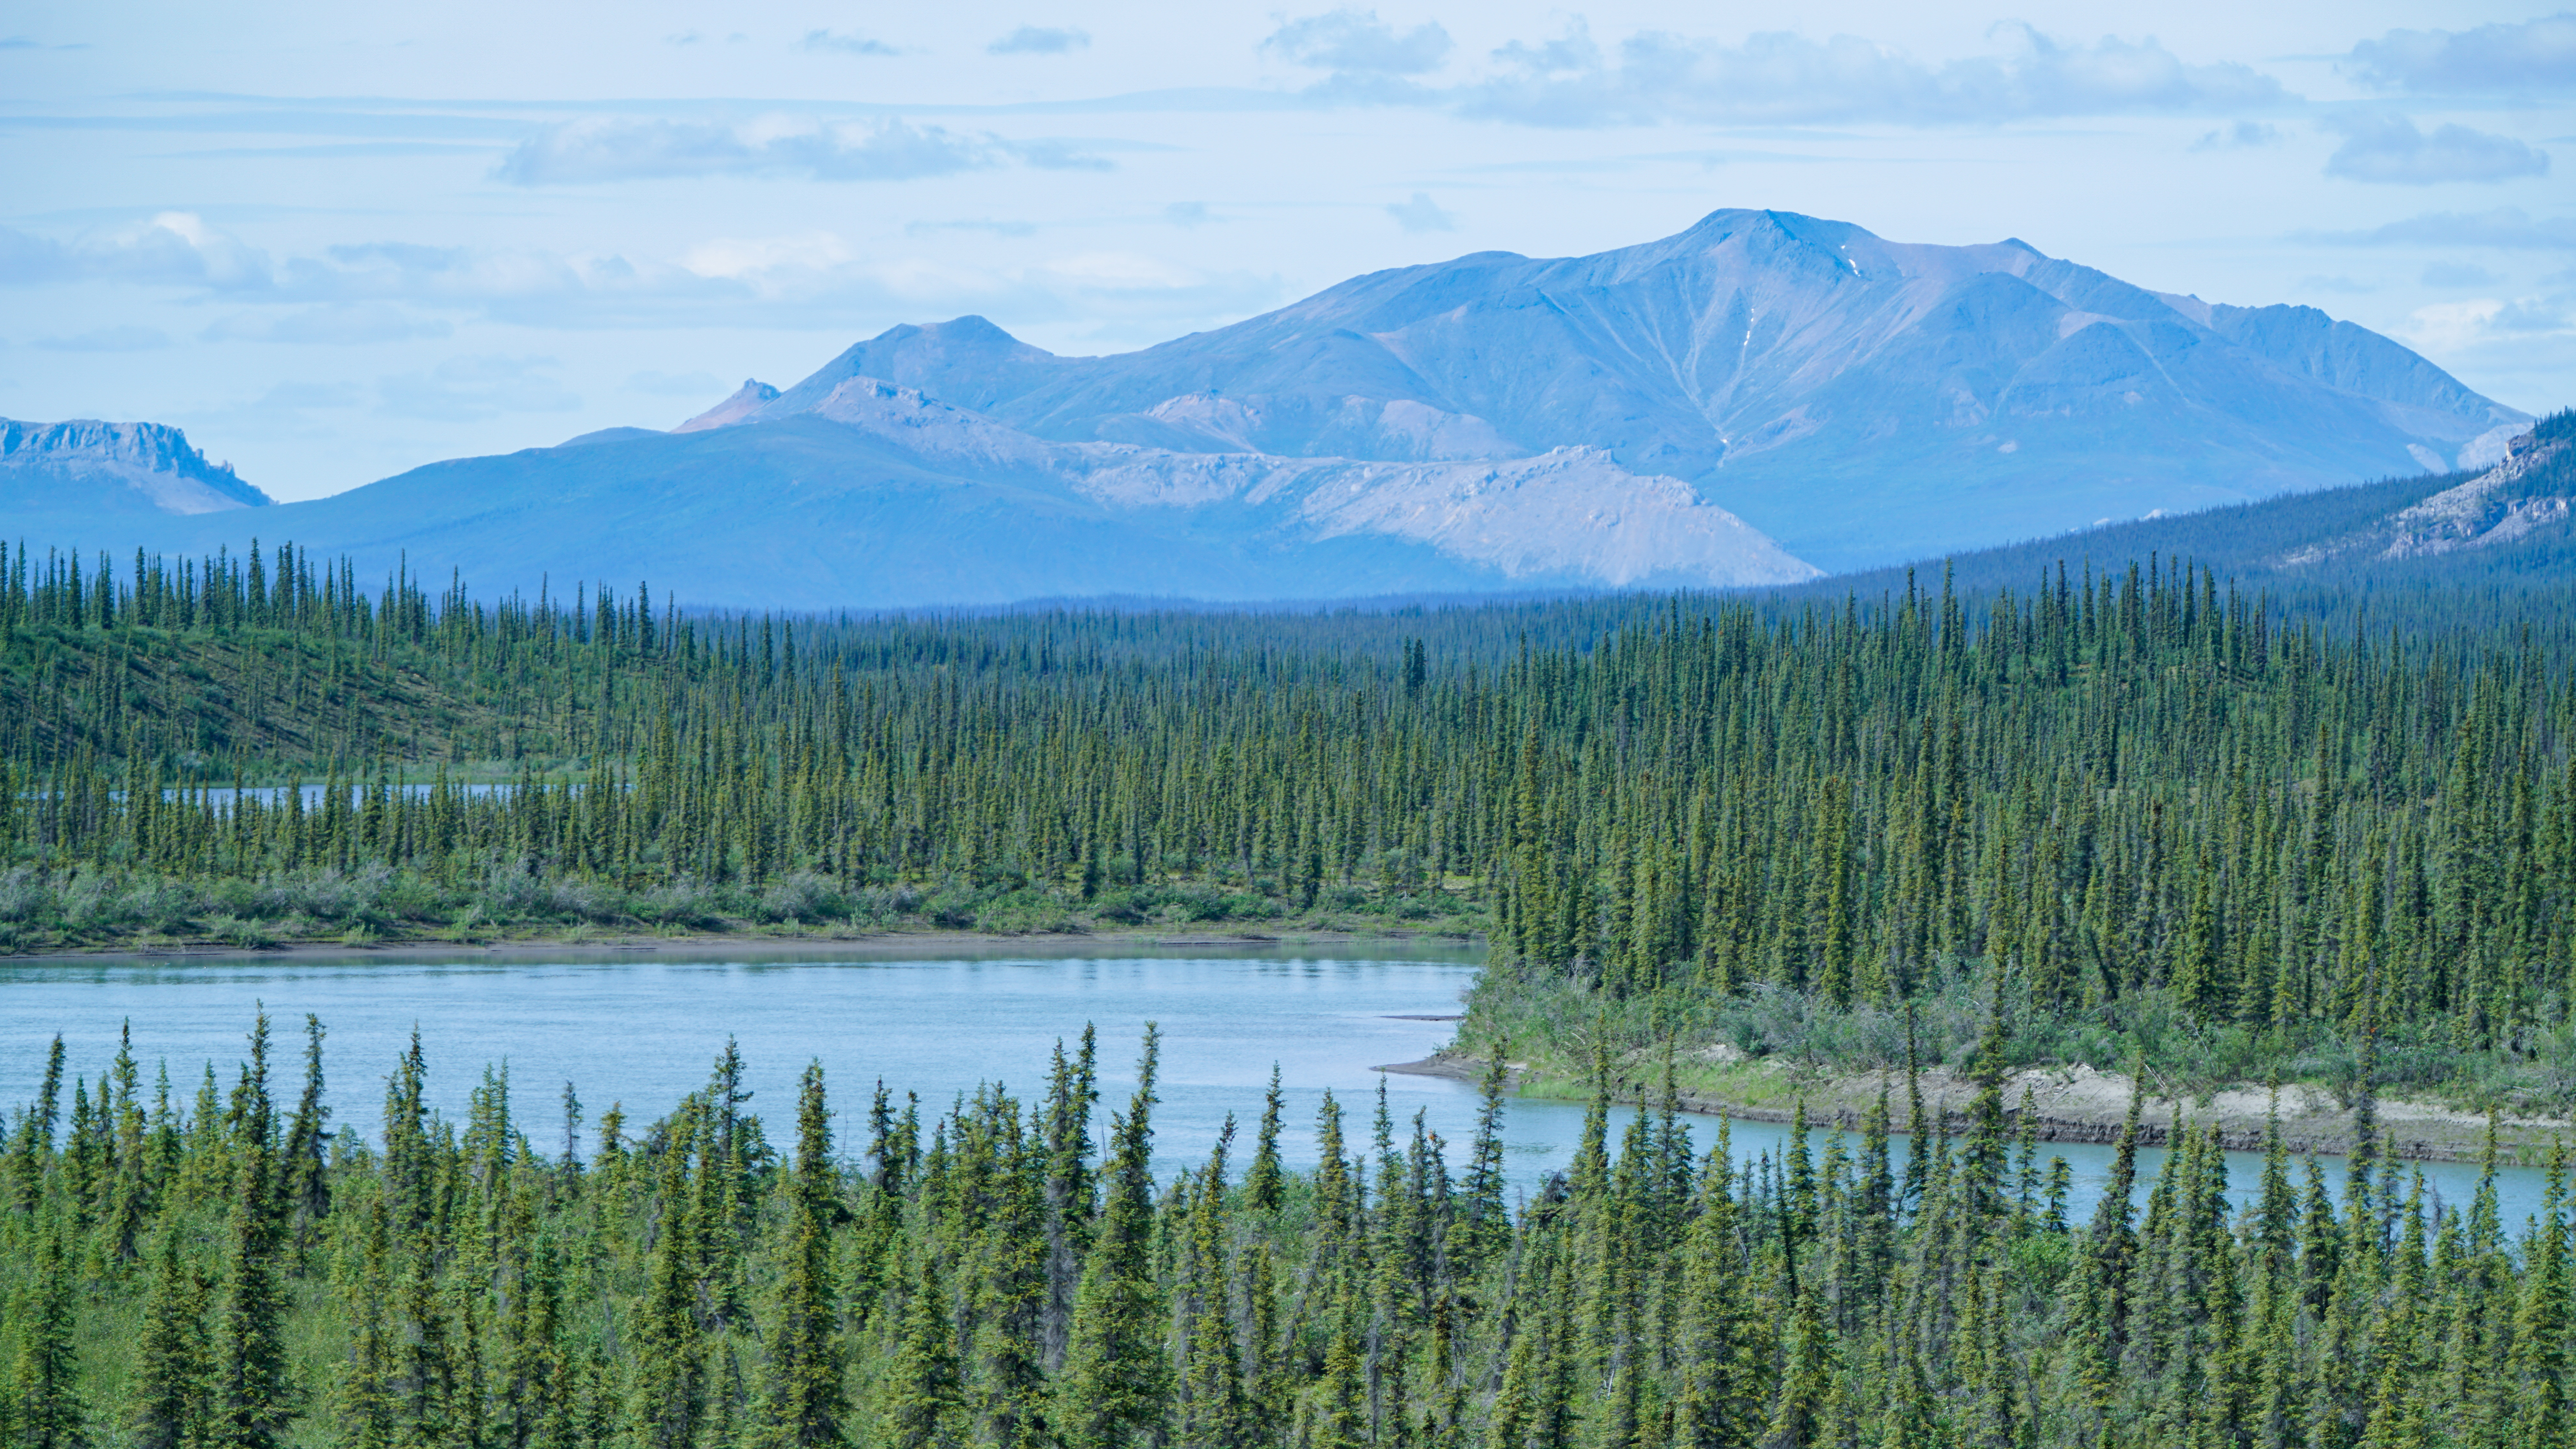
(2068, 1104)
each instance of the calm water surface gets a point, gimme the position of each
(641, 1029)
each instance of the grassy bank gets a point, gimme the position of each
(1763, 1052)
(92, 909)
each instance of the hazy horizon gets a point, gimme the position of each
(334, 245)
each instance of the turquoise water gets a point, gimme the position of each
(643, 1028)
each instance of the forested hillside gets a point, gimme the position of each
(2133, 810)
(236, 1275)
(2329, 554)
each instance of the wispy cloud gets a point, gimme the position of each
(2458, 274)
(2243, 136)
(2384, 147)
(995, 228)
(1773, 78)
(2529, 330)
(2516, 58)
(108, 339)
(1040, 40)
(174, 247)
(631, 148)
(2507, 228)
(339, 325)
(1356, 41)
(385, 291)
(834, 42)
(1421, 213)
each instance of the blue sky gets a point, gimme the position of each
(337, 241)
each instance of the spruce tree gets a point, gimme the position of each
(1111, 1393)
(172, 1368)
(922, 1400)
(252, 1399)
(805, 1397)
(49, 1413)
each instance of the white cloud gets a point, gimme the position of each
(835, 42)
(735, 258)
(390, 291)
(1356, 42)
(1777, 77)
(1421, 213)
(634, 148)
(2243, 136)
(2449, 326)
(2530, 57)
(108, 339)
(2382, 147)
(1040, 40)
(2507, 228)
(174, 247)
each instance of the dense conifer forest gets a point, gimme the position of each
(235, 1273)
(2133, 809)
(2138, 816)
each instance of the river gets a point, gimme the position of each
(641, 1028)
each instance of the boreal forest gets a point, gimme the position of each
(234, 1273)
(2133, 814)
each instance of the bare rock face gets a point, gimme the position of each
(2531, 491)
(746, 400)
(1570, 515)
(94, 468)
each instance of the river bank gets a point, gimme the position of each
(895, 941)
(2065, 1104)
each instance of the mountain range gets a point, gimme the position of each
(1753, 401)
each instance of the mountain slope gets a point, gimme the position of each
(2482, 539)
(1858, 399)
(878, 496)
(95, 470)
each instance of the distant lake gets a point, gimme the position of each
(642, 1028)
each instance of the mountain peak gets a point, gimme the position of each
(746, 400)
(87, 466)
(1841, 391)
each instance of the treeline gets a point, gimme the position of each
(237, 1274)
(2107, 790)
